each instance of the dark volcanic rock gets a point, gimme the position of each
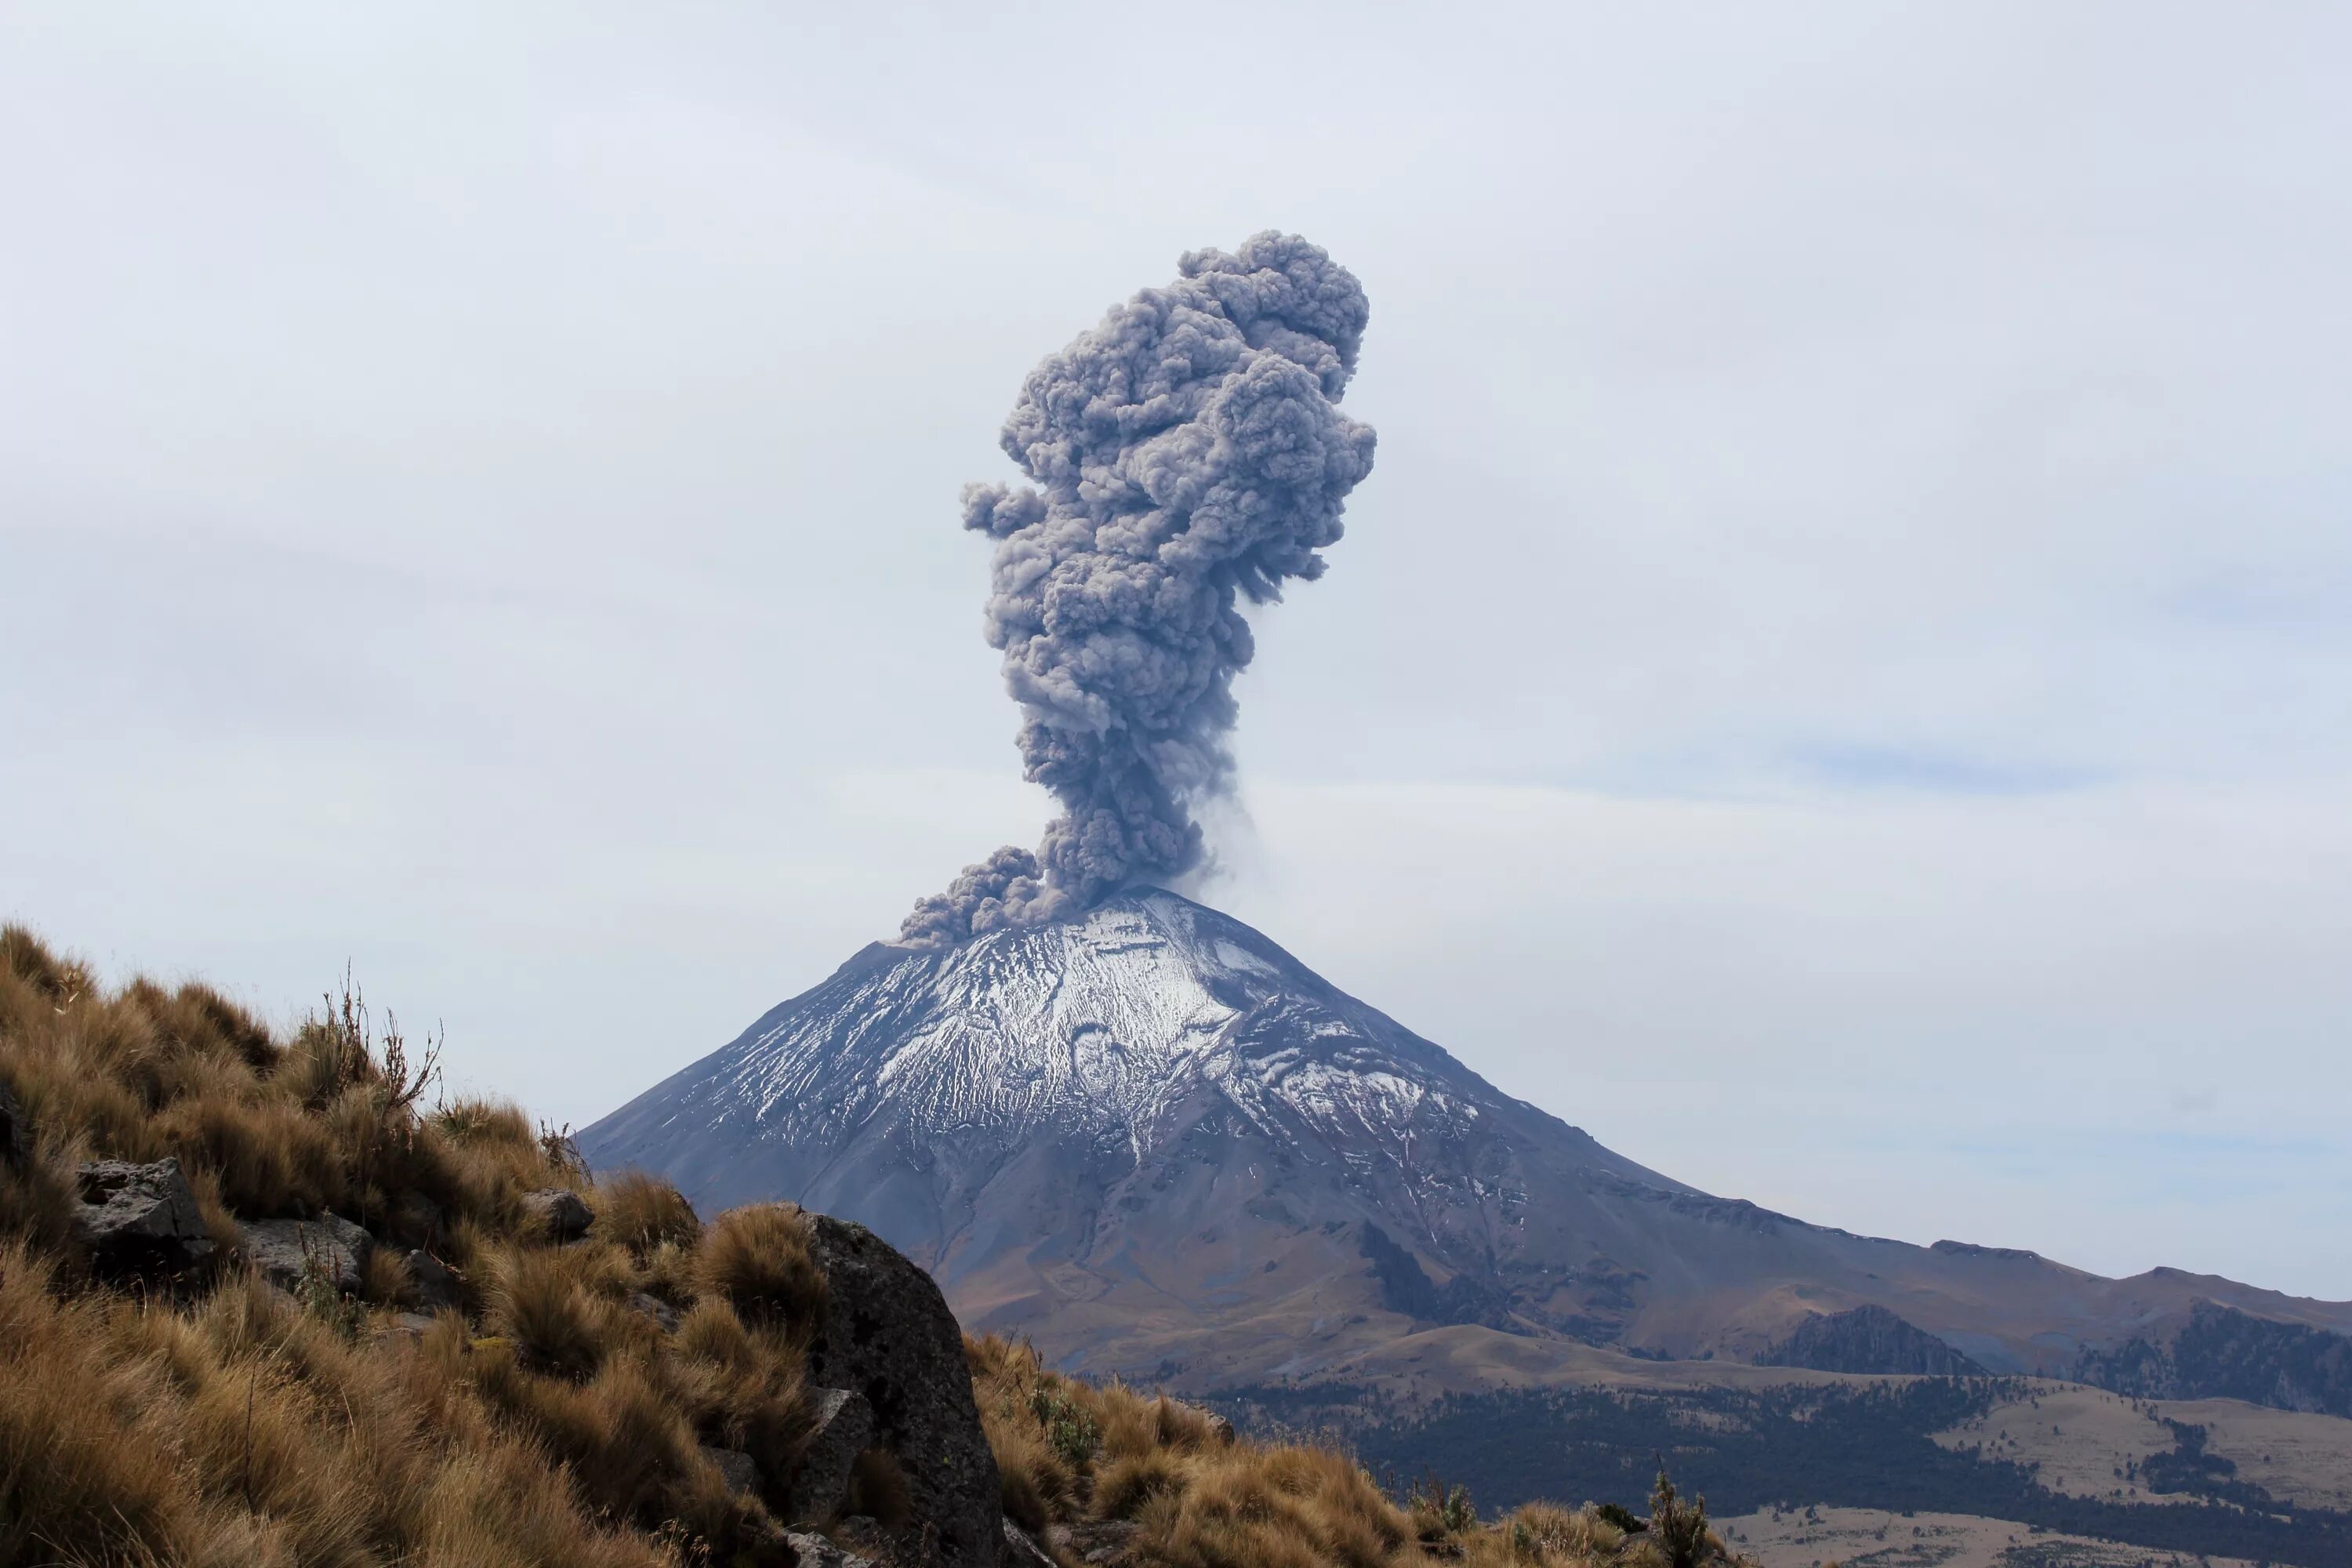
(736, 1468)
(436, 1285)
(140, 1219)
(559, 1211)
(279, 1248)
(15, 1138)
(1868, 1339)
(888, 1336)
(842, 1427)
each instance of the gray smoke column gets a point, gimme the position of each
(1187, 454)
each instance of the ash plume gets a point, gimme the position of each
(1187, 454)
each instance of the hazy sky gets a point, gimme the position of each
(1840, 682)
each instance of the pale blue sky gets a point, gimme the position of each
(1839, 682)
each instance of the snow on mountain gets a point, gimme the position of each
(1156, 1141)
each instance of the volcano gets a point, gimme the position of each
(1158, 1145)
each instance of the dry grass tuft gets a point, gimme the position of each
(643, 1212)
(1072, 1453)
(757, 1260)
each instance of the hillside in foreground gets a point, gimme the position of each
(260, 1305)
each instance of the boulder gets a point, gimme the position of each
(887, 1333)
(15, 1138)
(558, 1212)
(736, 1468)
(280, 1249)
(842, 1428)
(1020, 1551)
(814, 1551)
(436, 1285)
(140, 1219)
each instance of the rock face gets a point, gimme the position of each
(1868, 1339)
(140, 1219)
(280, 1249)
(842, 1427)
(889, 1337)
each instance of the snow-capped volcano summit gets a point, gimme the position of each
(1155, 1142)
(1104, 1030)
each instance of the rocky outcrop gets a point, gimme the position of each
(140, 1219)
(559, 1212)
(888, 1336)
(2224, 1353)
(282, 1249)
(841, 1427)
(1868, 1339)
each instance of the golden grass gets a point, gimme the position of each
(1076, 1454)
(218, 1421)
(549, 1419)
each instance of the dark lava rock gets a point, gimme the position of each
(15, 1138)
(842, 1428)
(737, 1468)
(888, 1335)
(436, 1285)
(280, 1247)
(559, 1212)
(140, 1219)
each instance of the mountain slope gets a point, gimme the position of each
(1155, 1142)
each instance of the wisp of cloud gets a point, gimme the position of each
(1187, 453)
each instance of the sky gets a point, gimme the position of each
(1839, 683)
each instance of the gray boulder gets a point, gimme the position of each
(888, 1335)
(279, 1248)
(140, 1219)
(736, 1468)
(812, 1550)
(842, 1427)
(559, 1212)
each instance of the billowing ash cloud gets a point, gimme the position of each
(1187, 453)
